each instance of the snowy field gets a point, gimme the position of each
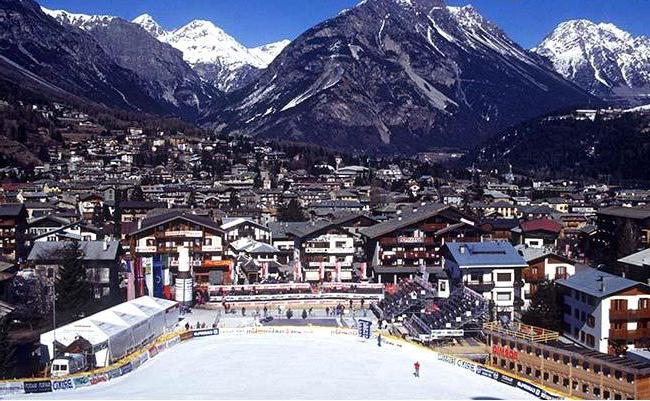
(294, 366)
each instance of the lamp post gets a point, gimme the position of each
(53, 320)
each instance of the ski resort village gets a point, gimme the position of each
(400, 202)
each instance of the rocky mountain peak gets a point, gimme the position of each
(149, 24)
(601, 58)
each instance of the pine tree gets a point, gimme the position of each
(291, 212)
(545, 308)
(137, 194)
(73, 292)
(627, 240)
(8, 359)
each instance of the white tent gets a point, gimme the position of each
(118, 331)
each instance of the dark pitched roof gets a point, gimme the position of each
(92, 250)
(141, 205)
(599, 284)
(11, 209)
(404, 220)
(636, 213)
(151, 222)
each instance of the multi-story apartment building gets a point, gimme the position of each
(409, 243)
(156, 239)
(606, 313)
(611, 219)
(491, 268)
(13, 226)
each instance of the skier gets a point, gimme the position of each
(327, 310)
(379, 340)
(265, 310)
(416, 365)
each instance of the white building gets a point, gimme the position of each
(606, 313)
(491, 268)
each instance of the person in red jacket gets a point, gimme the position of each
(416, 365)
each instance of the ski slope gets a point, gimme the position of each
(294, 366)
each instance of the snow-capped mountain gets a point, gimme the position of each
(602, 59)
(150, 25)
(163, 73)
(216, 56)
(397, 75)
(83, 21)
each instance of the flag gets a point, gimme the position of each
(157, 279)
(338, 271)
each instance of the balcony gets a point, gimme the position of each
(349, 250)
(184, 234)
(146, 249)
(629, 314)
(211, 248)
(480, 287)
(624, 334)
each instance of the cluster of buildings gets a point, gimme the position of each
(259, 213)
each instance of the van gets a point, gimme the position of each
(69, 364)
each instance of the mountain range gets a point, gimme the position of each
(383, 76)
(397, 75)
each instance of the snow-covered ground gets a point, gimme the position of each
(294, 366)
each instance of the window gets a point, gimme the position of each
(617, 396)
(546, 376)
(606, 394)
(503, 296)
(556, 379)
(538, 373)
(504, 277)
(585, 388)
(644, 303)
(597, 391)
(591, 321)
(565, 382)
(528, 370)
(591, 341)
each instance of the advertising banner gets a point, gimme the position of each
(8, 388)
(41, 386)
(82, 381)
(205, 332)
(128, 368)
(63, 384)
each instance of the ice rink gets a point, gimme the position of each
(294, 366)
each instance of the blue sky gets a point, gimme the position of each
(255, 22)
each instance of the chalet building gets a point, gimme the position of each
(606, 313)
(237, 228)
(132, 211)
(533, 354)
(610, 221)
(409, 244)
(325, 249)
(543, 265)
(156, 239)
(636, 266)
(491, 268)
(101, 260)
(13, 226)
(88, 203)
(537, 233)
(498, 228)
